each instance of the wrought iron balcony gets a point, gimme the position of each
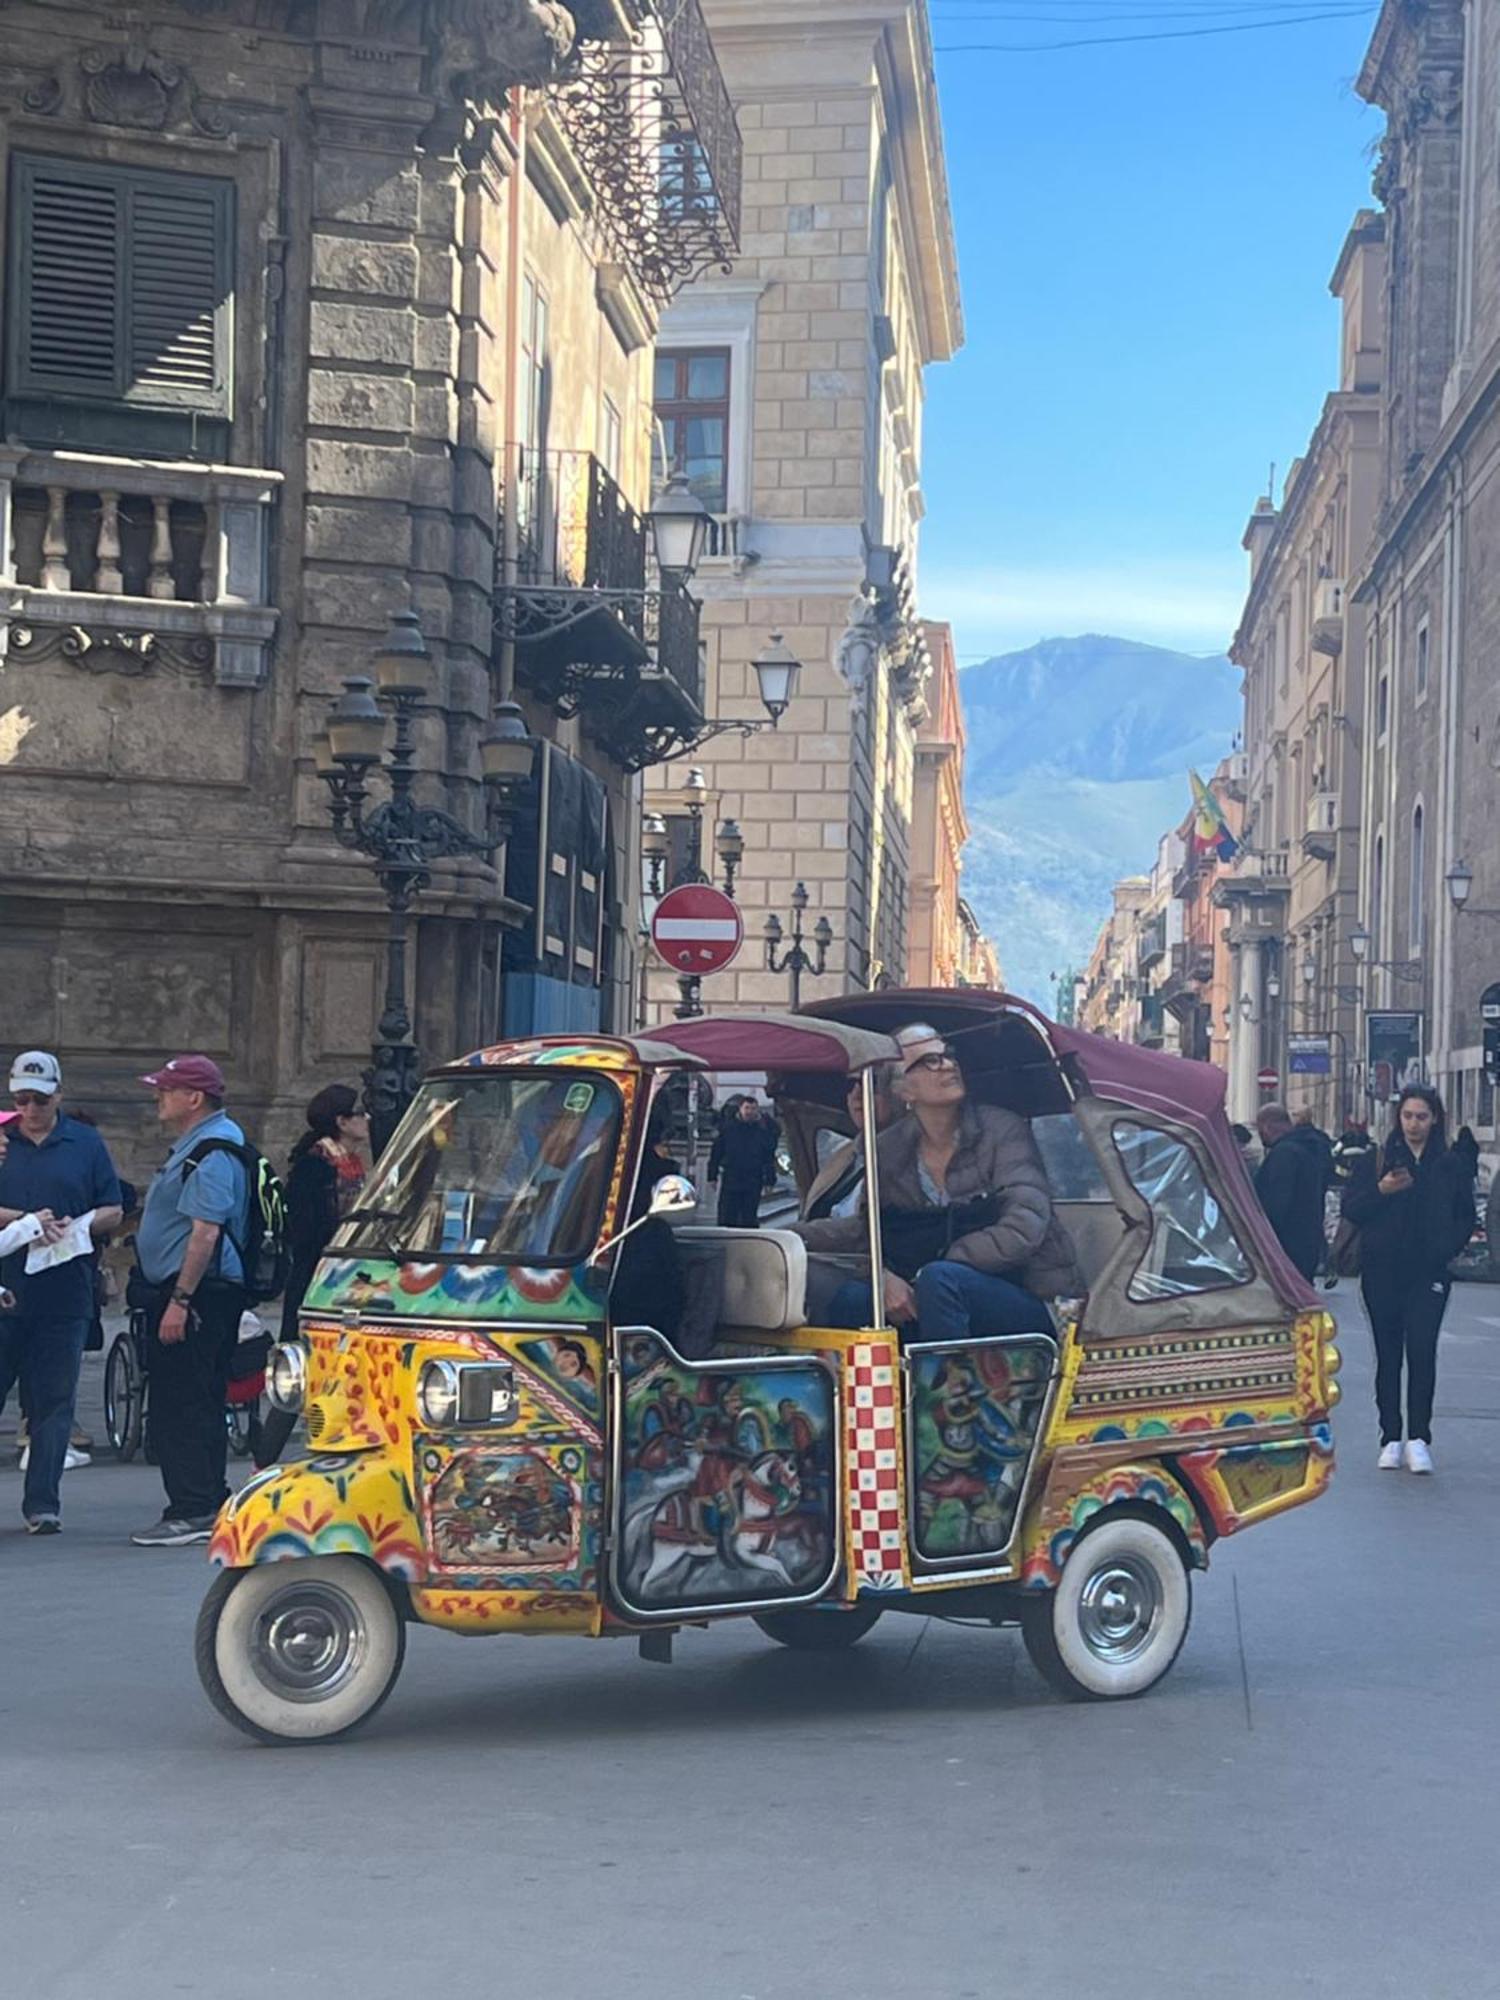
(591, 639)
(652, 122)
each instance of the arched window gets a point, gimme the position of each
(1417, 914)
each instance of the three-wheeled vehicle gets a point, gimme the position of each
(489, 1451)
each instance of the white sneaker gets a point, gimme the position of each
(72, 1459)
(1418, 1456)
(1390, 1457)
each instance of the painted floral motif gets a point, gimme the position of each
(1067, 1512)
(457, 1291)
(344, 1505)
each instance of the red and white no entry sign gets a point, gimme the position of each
(1268, 1078)
(697, 929)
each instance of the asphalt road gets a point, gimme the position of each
(1307, 1804)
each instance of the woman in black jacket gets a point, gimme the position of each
(1414, 1208)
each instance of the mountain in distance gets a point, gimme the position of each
(1078, 756)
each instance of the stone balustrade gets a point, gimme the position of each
(122, 557)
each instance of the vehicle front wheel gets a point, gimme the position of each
(809, 1631)
(300, 1651)
(1118, 1617)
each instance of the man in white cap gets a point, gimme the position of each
(55, 1169)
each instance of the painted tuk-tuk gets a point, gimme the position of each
(489, 1451)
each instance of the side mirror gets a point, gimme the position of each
(674, 1194)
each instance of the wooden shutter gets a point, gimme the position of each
(121, 286)
(69, 295)
(176, 292)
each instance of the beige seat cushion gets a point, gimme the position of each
(764, 1276)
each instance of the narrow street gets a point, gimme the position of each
(1305, 1805)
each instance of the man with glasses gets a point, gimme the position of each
(55, 1169)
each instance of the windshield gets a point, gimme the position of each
(510, 1166)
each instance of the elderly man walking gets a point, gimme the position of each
(55, 1171)
(190, 1282)
(1290, 1182)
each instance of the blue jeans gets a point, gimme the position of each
(46, 1355)
(954, 1302)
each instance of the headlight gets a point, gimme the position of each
(286, 1375)
(437, 1394)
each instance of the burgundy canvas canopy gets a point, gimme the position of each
(786, 1043)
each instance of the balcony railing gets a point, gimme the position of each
(572, 596)
(128, 564)
(653, 125)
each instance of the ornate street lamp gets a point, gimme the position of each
(796, 960)
(679, 524)
(1460, 880)
(400, 837)
(777, 672)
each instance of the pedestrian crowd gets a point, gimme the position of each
(1401, 1213)
(216, 1235)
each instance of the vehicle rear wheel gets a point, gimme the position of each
(124, 1398)
(1118, 1617)
(810, 1631)
(300, 1651)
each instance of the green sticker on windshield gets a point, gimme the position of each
(580, 1096)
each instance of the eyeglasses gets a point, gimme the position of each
(947, 1060)
(21, 1099)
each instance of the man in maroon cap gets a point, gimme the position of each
(190, 1279)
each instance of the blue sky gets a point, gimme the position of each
(1146, 232)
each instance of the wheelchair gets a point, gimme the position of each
(127, 1392)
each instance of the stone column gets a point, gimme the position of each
(1244, 1036)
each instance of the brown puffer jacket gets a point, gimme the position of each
(996, 1155)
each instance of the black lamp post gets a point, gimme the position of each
(797, 960)
(401, 837)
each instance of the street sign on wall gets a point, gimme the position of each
(1489, 1015)
(1268, 1078)
(1309, 1055)
(697, 930)
(1393, 1053)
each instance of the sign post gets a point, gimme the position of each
(696, 930)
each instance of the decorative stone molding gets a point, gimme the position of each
(110, 649)
(131, 87)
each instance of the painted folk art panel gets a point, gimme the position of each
(727, 1492)
(974, 1420)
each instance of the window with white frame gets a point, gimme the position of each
(692, 414)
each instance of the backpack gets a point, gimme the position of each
(265, 1253)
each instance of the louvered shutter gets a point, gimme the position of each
(121, 287)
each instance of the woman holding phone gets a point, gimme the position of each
(1414, 1208)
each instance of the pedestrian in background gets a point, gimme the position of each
(743, 1162)
(1466, 1152)
(324, 1177)
(190, 1283)
(54, 1170)
(1289, 1182)
(1413, 1205)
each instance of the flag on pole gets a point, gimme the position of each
(1211, 833)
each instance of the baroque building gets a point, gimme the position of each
(319, 311)
(789, 394)
(1290, 899)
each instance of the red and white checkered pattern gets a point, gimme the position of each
(873, 1445)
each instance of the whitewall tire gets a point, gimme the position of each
(299, 1651)
(1119, 1615)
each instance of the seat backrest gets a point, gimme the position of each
(764, 1275)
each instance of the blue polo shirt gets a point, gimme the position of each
(70, 1172)
(216, 1190)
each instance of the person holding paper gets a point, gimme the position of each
(55, 1171)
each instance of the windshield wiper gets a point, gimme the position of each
(383, 1242)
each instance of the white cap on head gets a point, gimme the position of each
(916, 1040)
(36, 1070)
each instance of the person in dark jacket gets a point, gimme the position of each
(1352, 1145)
(1289, 1182)
(324, 1177)
(743, 1162)
(1465, 1152)
(1317, 1142)
(1414, 1207)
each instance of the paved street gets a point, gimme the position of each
(1307, 1804)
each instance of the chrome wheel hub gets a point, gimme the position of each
(1119, 1610)
(309, 1640)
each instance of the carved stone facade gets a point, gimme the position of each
(175, 625)
(1424, 584)
(845, 292)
